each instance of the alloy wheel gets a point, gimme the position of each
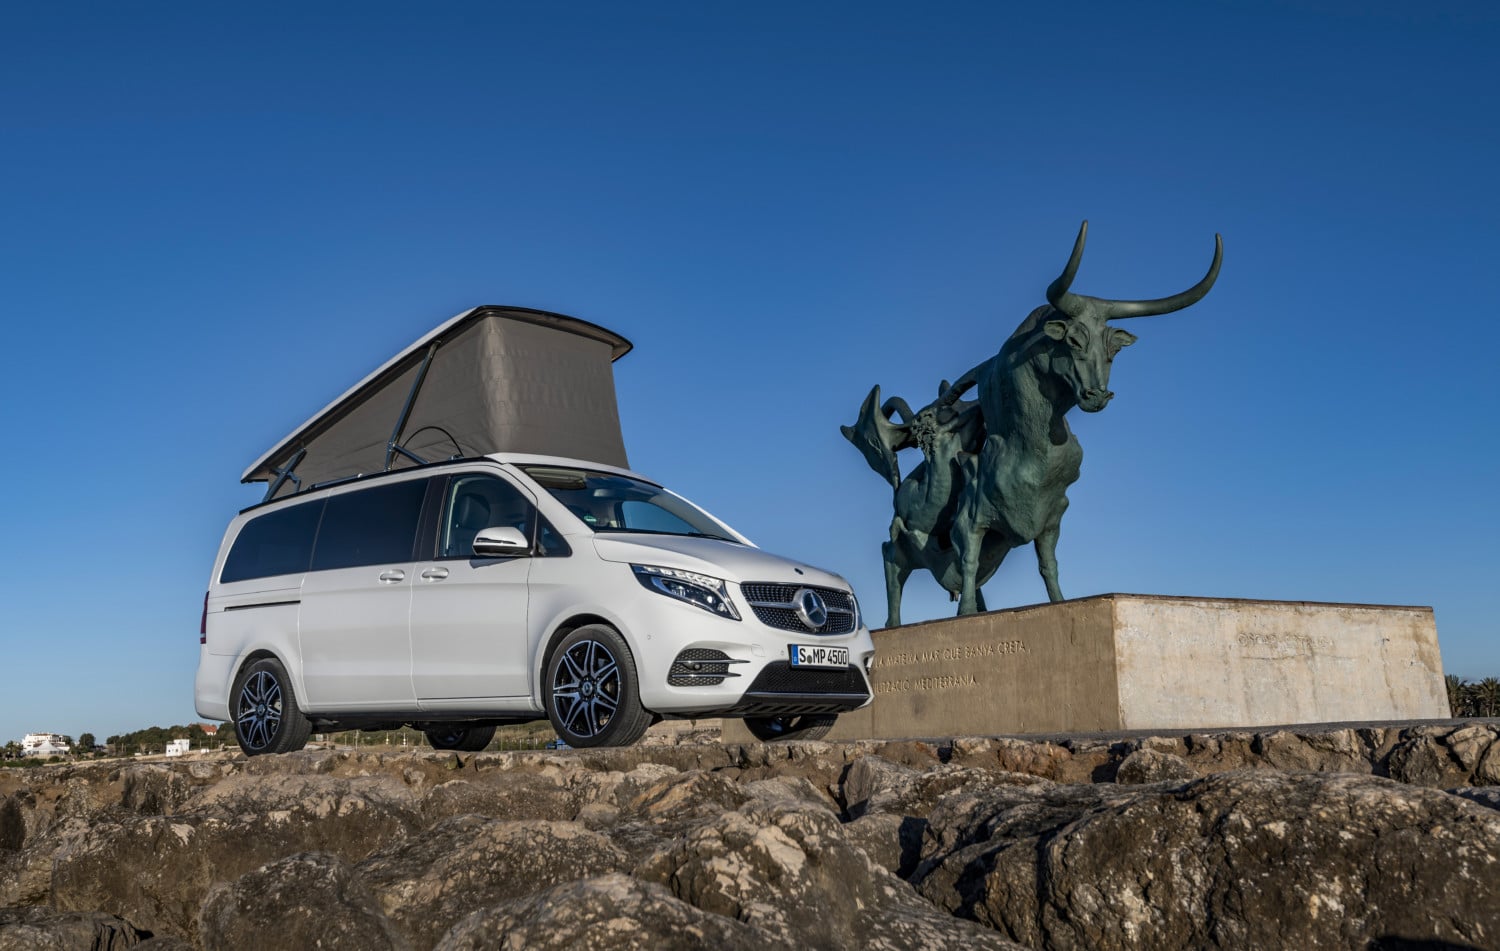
(586, 688)
(259, 714)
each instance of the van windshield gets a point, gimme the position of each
(607, 502)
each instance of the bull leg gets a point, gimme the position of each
(896, 573)
(1046, 561)
(897, 570)
(967, 543)
(970, 524)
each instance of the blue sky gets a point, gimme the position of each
(216, 219)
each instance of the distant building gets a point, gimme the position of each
(209, 729)
(45, 744)
(177, 747)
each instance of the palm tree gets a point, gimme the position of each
(1487, 693)
(1457, 695)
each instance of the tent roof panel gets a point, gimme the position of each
(534, 412)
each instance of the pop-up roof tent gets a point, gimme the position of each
(492, 379)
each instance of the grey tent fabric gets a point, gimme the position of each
(502, 379)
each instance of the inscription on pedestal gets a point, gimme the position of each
(1283, 644)
(906, 658)
(895, 676)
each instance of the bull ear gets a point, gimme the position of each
(1120, 339)
(1056, 329)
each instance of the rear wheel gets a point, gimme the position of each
(466, 739)
(809, 726)
(266, 716)
(592, 690)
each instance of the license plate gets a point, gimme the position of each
(809, 655)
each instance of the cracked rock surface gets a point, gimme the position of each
(1340, 838)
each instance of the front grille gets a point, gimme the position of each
(773, 604)
(700, 667)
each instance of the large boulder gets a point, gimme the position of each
(311, 900)
(1468, 745)
(1236, 860)
(12, 824)
(1148, 766)
(789, 871)
(609, 913)
(154, 790)
(891, 840)
(1343, 751)
(155, 870)
(874, 784)
(518, 795)
(42, 929)
(1423, 759)
(428, 883)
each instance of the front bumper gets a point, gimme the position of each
(782, 690)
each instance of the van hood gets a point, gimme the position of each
(710, 556)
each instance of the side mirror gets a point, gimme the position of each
(501, 541)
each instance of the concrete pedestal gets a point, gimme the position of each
(1147, 662)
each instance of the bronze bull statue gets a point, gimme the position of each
(996, 469)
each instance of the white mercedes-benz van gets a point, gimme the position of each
(459, 595)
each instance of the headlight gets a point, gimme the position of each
(710, 594)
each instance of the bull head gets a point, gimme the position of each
(1083, 344)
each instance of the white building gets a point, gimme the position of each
(177, 747)
(45, 744)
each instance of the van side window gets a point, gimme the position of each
(276, 543)
(374, 526)
(477, 502)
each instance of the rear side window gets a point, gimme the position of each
(371, 526)
(276, 543)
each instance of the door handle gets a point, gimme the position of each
(392, 576)
(434, 574)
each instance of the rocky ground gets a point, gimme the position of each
(1353, 838)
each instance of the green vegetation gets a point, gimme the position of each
(153, 739)
(1468, 699)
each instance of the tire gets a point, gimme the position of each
(809, 726)
(465, 739)
(591, 690)
(267, 718)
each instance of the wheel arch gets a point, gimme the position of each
(263, 653)
(562, 630)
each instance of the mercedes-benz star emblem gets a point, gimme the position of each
(811, 609)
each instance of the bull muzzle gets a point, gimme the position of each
(1093, 400)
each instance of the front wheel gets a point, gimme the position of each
(461, 738)
(266, 716)
(592, 691)
(806, 727)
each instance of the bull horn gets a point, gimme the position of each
(1057, 291)
(1116, 309)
